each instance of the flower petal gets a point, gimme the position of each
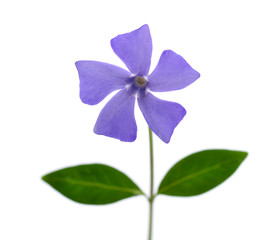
(162, 116)
(135, 50)
(98, 79)
(171, 73)
(117, 119)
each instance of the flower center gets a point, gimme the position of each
(140, 81)
(137, 86)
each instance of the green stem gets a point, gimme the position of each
(151, 198)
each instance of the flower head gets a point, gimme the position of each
(116, 119)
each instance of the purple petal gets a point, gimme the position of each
(98, 79)
(117, 119)
(162, 116)
(171, 73)
(135, 50)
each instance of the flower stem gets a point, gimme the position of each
(151, 198)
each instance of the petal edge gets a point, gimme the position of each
(171, 73)
(98, 79)
(162, 116)
(117, 119)
(135, 49)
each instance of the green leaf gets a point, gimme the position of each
(200, 172)
(92, 184)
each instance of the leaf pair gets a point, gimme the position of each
(101, 184)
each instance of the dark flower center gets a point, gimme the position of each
(137, 86)
(140, 81)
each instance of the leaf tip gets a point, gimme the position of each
(45, 178)
(243, 155)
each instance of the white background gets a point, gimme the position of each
(233, 105)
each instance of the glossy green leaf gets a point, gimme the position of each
(92, 184)
(200, 172)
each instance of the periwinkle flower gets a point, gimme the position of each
(98, 79)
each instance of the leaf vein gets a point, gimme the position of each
(186, 178)
(100, 185)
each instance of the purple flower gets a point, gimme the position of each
(116, 119)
